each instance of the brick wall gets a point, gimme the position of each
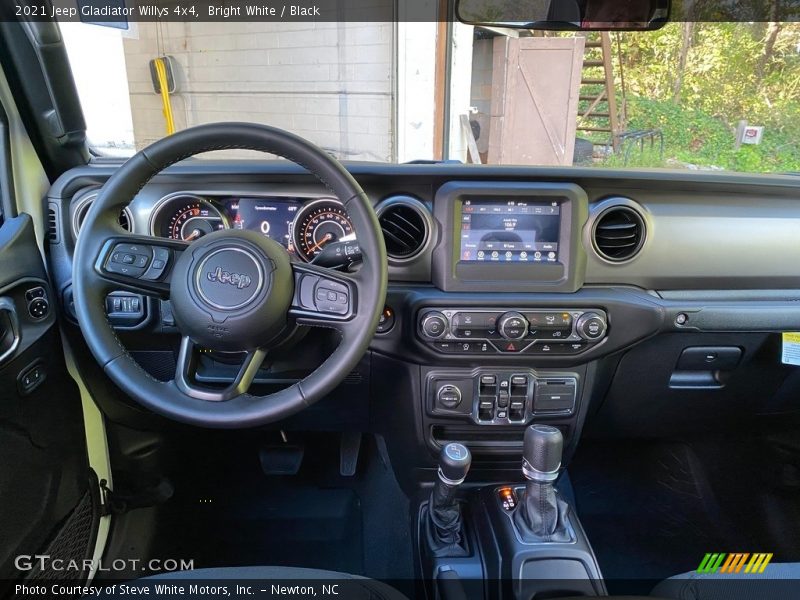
(330, 82)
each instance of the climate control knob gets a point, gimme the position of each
(434, 325)
(591, 326)
(512, 326)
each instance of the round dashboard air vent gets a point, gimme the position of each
(406, 227)
(619, 233)
(82, 208)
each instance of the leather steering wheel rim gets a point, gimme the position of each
(91, 284)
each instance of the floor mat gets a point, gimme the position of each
(251, 525)
(648, 510)
(226, 512)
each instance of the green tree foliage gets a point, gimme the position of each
(733, 71)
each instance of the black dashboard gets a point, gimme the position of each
(512, 291)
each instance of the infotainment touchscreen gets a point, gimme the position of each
(518, 230)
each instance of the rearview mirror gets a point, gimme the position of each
(568, 15)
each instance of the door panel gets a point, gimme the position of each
(44, 471)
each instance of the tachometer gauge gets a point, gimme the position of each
(188, 218)
(318, 224)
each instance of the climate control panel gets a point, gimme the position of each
(512, 331)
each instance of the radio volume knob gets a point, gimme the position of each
(434, 325)
(512, 326)
(591, 326)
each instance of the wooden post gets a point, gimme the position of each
(440, 82)
(613, 116)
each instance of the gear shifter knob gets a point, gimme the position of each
(454, 462)
(541, 454)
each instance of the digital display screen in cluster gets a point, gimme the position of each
(271, 217)
(519, 231)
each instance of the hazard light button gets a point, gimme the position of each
(512, 346)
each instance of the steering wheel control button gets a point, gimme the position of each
(130, 260)
(332, 297)
(513, 326)
(434, 325)
(229, 278)
(157, 268)
(591, 326)
(448, 396)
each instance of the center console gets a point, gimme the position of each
(506, 541)
(511, 337)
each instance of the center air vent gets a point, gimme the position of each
(406, 226)
(619, 233)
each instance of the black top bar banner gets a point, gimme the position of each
(116, 11)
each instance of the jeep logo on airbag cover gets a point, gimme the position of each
(229, 278)
(238, 279)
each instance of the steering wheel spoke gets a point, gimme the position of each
(323, 298)
(186, 371)
(139, 264)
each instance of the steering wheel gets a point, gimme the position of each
(231, 290)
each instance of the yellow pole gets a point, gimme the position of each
(161, 71)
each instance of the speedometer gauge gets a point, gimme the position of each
(318, 224)
(187, 218)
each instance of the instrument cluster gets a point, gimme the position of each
(304, 226)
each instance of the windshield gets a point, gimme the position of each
(709, 96)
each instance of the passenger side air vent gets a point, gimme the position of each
(619, 233)
(406, 227)
(52, 224)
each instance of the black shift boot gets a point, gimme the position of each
(541, 516)
(443, 525)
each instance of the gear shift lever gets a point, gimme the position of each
(444, 524)
(542, 516)
(541, 453)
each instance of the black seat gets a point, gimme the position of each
(353, 586)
